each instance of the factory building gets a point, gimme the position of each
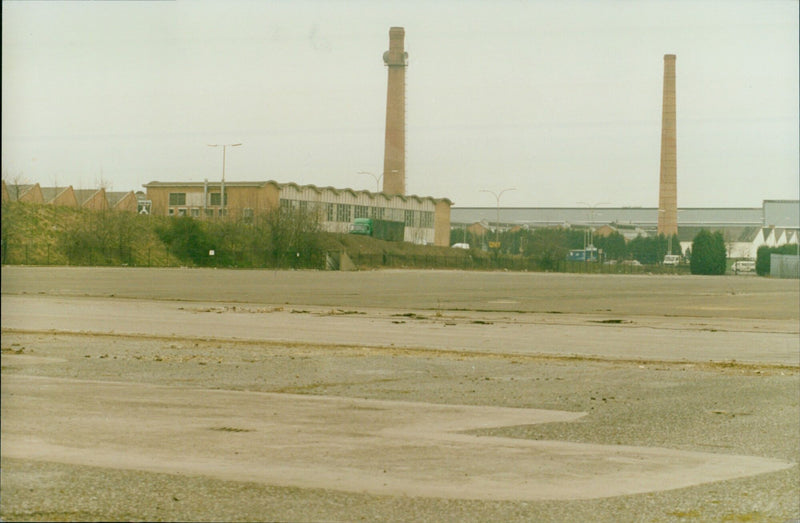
(427, 220)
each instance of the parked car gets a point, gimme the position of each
(633, 263)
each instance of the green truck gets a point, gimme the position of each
(382, 229)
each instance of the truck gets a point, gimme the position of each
(589, 254)
(389, 230)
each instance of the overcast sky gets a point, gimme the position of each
(560, 100)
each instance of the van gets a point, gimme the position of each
(672, 259)
(744, 266)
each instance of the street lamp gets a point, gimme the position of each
(669, 238)
(222, 187)
(377, 179)
(497, 196)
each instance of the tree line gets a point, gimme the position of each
(551, 245)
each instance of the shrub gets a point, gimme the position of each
(764, 253)
(187, 239)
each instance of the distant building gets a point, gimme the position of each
(775, 223)
(30, 193)
(94, 199)
(427, 219)
(124, 201)
(60, 196)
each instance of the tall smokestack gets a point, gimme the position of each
(394, 155)
(668, 187)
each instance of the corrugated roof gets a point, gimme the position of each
(782, 213)
(315, 188)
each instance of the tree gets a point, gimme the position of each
(613, 246)
(708, 253)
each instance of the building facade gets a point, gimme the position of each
(427, 219)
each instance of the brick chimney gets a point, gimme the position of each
(394, 155)
(668, 186)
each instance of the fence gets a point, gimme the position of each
(784, 266)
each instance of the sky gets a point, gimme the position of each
(558, 100)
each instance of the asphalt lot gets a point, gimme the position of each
(397, 395)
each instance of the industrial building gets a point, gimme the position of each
(427, 220)
(775, 223)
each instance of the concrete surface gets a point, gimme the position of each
(307, 396)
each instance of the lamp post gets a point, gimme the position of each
(592, 207)
(377, 179)
(497, 223)
(222, 187)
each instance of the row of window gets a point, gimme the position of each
(331, 212)
(195, 212)
(345, 213)
(196, 199)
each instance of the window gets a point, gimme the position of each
(330, 211)
(247, 215)
(171, 212)
(409, 219)
(342, 212)
(361, 211)
(195, 212)
(181, 212)
(394, 214)
(215, 198)
(177, 198)
(209, 212)
(426, 219)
